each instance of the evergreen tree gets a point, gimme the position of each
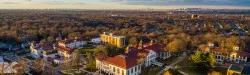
(204, 61)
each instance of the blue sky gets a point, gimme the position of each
(124, 3)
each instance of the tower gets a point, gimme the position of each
(140, 44)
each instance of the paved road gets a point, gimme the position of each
(177, 60)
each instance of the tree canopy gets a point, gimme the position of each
(203, 61)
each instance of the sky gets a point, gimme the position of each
(123, 4)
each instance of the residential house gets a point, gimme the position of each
(66, 47)
(42, 50)
(65, 51)
(96, 40)
(76, 43)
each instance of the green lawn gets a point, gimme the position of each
(152, 70)
(188, 67)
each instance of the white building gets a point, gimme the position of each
(223, 55)
(42, 50)
(236, 57)
(64, 51)
(72, 43)
(132, 61)
(96, 40)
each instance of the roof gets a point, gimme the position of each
(68, 41)
(235, 67)
(224, 51)
(243, 54)
(134, 57)
(65, 49)
(155, 47)
(122, 61)
(246, 70)
(43, 46)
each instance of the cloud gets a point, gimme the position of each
(185, 2)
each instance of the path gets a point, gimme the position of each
(177, 60)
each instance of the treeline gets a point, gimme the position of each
(177, 31)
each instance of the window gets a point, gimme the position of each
(118, 70)
(135, 68)
(132, 70)
(114, 69)
(138, 67)
(123, 72)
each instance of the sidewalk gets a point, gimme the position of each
(177, 60)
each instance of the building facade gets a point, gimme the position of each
(72, 43)
(133, 61)
(111, 39)
(65, 48)
(223, 55)
(44, 50)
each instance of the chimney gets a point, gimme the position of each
(54, 46)
(140, 45)
(151, 42)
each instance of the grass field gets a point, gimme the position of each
(188, 67)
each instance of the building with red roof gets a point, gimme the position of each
(42, 49)
(223, 55)
(132, 61)
(66, 47)
(64, 51)
(75, 43)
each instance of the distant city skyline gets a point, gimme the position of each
(124, 4)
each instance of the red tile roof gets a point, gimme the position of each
(243, 54)
(225, 51)
(133, 58)
(155, 47)
(65, 49)
(122, 61)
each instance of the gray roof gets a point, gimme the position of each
(237, 68)
(246, 70)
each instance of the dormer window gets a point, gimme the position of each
(236, 48)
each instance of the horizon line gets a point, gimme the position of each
(112, 6)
